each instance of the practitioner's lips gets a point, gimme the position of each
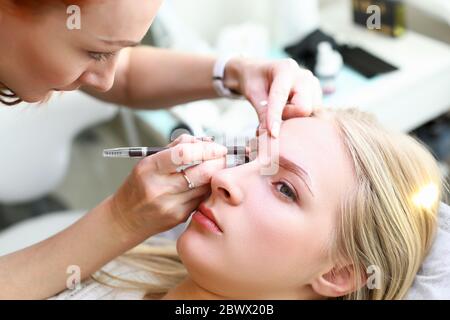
(206, 218)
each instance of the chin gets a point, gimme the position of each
(193, 248)
(189, 247)
(36, 98)
(181, 244)
(204, 264)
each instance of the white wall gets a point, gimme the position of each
(208, 16)
(286, 20)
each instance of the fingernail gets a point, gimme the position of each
(263, 103)
(275, 131)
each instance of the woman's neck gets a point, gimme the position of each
(189, 290)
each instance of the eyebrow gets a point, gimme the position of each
(123, 43)
(297, 170)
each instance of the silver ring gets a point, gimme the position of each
(190, 184)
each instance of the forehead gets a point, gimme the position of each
(119, 19)
(316, 145)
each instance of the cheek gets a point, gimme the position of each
(55, 68)
(203, 257)
(269, 231)
(277, 239)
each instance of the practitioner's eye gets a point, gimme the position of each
(101, 56)
(286, 190)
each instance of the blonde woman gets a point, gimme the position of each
(62, 45)
(350, 213)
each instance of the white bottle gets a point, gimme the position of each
(328, 66)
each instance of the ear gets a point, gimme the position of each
(337, 282)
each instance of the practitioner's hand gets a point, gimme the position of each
(278, 89)
(156, 198)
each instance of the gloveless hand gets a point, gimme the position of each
(278, 90)
(155, 197)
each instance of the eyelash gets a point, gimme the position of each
(101, 56)
(293, 197)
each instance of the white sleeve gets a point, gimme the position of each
(93, 290)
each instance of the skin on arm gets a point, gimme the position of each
(153, 78)
(47, 262)
(148, 77)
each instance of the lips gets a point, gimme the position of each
(209, 214)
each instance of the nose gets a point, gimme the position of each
(100, 78)
(225, 185)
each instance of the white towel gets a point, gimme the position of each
(433, 279)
